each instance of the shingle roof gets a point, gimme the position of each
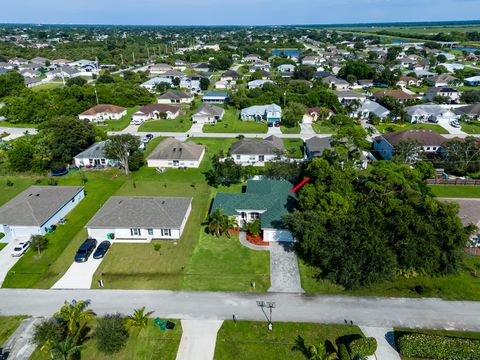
(425, 137)
(471, 110)
(151, 108)
(36, 205)
(317, 144)
(142, 212)
(210, 110)
(108, 108)
(93, 152)
(272, 196)
(397, 94)
(173, 149)
(272, 145)
(175, 94)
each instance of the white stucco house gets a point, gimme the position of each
(429, 113)
(103, 112)
(35, 210)
(173, 153)
(208, 114)
(257, 152)
(154, 111)
(94, 156)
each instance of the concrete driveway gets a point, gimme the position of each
(452, 130)
(78, 275)
(7, 260)
(284, 273)
(198, 339)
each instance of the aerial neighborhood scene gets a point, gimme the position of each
(195, 181)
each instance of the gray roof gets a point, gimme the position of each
(173, 149)
(373, 107)
(211, 110)
(93, 152)
(317, 144)
(152, 212)
(36, 205)
(272, 145)
(469, 210)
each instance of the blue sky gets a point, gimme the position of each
(247, 12)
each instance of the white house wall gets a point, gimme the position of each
(124, 235)
(253, 160)
(169, 163)
(64, 210)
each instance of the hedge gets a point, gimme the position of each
(363, 347)
(343, 353)
(438, 347)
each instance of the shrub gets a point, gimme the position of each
(363, 347)
(254, 227)
(52, 182)
(9, 183)
(48, 332)
(438, 347)
(343, 353)
(111, 334)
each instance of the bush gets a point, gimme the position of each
(438, 347)
(111, 334)
(254, 227)
(363, 347)
(48, 332)
(9, 183)
(343, 353)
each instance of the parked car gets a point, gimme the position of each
(20, 249)
(85, 250)
(149, 136)
(101, 249)
(145, 140)
(455, 124)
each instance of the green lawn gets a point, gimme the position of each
(148, 344)
(461, 286)
(294, 147)
(472, 127)
(232, 124)
(47, 86)
(43, 271)
(20, 183)
(245, 340)
(456, 191)
(8, 324)
(387, 128)
(17, 125)
(182, 124)
(117, 125)
(2, 245)
(290, 130)
(324, 127)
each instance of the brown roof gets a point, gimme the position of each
(148, 109)
(102, 108)
(407, 78)
(397, 94)
(425, 137)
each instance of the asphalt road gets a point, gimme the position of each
(364, 311)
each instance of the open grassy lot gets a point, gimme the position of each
(117, 125)
(8, 324)
(20, 183)
(232, 124)
(43, 271)
(324, 127)
(47, 86)
(387, 128)
(148, 344)
(290, 130)
(472, 127)
(460, 286)
(456, 191)
(294, 147)
(245, 340)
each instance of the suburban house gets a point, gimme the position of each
(349, 96)
(400, 95)
(443, 80)
(175, 97)
(202, 67)
(208, 114)
(336, 83)
(312, 114)
(270, 113)
(429, 113)
(424, 74)
(157, 69)
(315, 146)
(258, 83)
(473, 81)
(405, 81)
(230, 76)
(103, 112)
(64, 73)
(151, 84)
(430, 141)
(471, 111)
(175, 153)
(155, 111)
(312, 60)
(94, 156)
(252, 58)
(140, 219)
(30, 82)
(215, 97)
(37, 209)
(370, 108)
(266, 200)
(257, 152)
(451, 94)
(284, 68)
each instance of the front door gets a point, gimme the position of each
(261, 158)
(175, 163)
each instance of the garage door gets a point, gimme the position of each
(277, 235)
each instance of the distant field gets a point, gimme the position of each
(427, 30)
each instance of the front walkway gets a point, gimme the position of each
(306, 130)
(79, 275)
(199, 338)
(284, 273)
(242, 236)
(386, 349)
(19, 345)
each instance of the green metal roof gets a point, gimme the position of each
(272, 196)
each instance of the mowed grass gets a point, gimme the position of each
(16, 125)
(459, 286)
(180, 124)
(120, 124)
(290, 130)
(387, 128)
(294, 148)
(245, 340)
(150, 343)
(231, 123)
(47, 86)
(8, 325)
(324, 127)
(472, 127)
(20, 183)
(33, 271)
(456, 191)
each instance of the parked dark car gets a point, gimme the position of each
(85, 250)
(149, 136)
(101, 249)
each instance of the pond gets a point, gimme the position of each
(287, 52)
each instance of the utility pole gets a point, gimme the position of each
(96, 94)
(121, 57)
(133, 56)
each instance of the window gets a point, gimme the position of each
(238, 157)
(254, 215)
(73, 200)
(90, 161)
(135, 232)
(261, 158)
(166, 232)
(150, 231)
(252, 157)
(103, 161)
(428, 147)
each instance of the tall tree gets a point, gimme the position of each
(75, 315)
(121, 147)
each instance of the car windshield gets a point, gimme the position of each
(81, 252)
(17, 248)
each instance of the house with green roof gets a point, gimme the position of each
(267, 200)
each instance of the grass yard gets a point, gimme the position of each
(472, 127)
(148, 344)
(290, 130)
(20, 183)
(232, 124)
(16, 125)
(42, 272)
(47, 86)
(245, 340)
(456, 191)
(387, 128)
(117, 125)
(324, 127)
(294, 148)
(181, 124)
(2, 245)
(461, 286)
(8, 324)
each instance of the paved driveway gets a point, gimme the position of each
(78, 275)
(198, 339)
(19, 345)
(452, 130)
(386, 349)
(284, 274)
(7, 260)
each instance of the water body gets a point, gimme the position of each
(467, 49)
(287, 52)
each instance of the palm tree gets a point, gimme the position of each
(313, 352)
(75, 315)
(138, 319)
(229, 222)
(216, 222)
(65, 349)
